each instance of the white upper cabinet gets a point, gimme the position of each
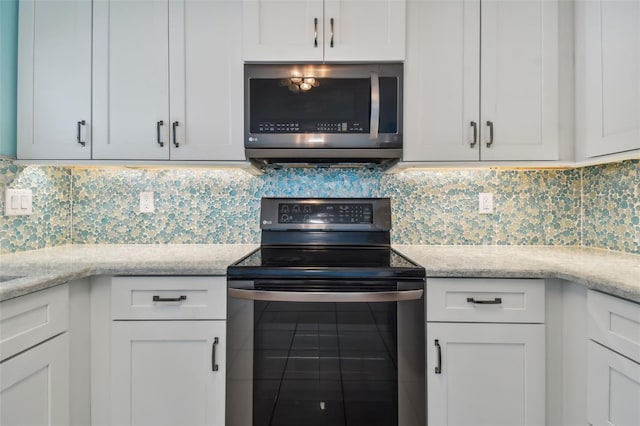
(131, 80)
(54, 80)
(481, 86)
(519, 80)
(167, 80)
(206, 80)
(329, 30)
(607, 76)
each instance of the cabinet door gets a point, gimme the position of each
(608, 76)
(613, 393)
(161, 373)
(283, 30)
(34, 386)
(491, 374)
(519, 80)
(54, 79)
(206, 72)
(131, 80)
(442, 81)
(357, 30)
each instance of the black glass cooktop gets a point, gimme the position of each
(324, 262)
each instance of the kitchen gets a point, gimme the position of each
(573, 201)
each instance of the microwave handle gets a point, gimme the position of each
(375, 106)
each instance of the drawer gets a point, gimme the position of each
(31, 319)
(615, 323)
(485, 300)
(168, 298)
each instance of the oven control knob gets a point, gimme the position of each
(284, 217)
(296, 208)
(307, 209)
(307, 218)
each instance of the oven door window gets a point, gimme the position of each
(325, 364)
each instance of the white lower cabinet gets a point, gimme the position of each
(483, 368)
(613, 394)
(613, 391)
(166, 351)
(168, 373)
(34, 350)
(490, 374)
(34, 386)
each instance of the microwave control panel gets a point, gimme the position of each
(319, 127)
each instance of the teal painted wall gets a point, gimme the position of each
(8, 75)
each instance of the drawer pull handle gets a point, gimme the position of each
(496, 301)
(439, 366)
(169, 299)
(214, 366)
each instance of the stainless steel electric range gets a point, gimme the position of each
(325, 320)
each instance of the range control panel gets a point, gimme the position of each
(361, 213)
(325, 214)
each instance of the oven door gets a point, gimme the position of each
(319, 352)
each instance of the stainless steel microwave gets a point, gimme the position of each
(323, 114)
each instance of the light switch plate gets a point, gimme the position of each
(18, 202)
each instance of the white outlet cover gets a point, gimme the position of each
(147, 202)
(485, 203)
(18, 202)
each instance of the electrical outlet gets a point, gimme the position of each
(485, 203)
(146, 202)
(18, 202)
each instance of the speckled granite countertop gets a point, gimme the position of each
(44, 268)
(611, 272)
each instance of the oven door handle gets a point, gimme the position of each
(325, 296)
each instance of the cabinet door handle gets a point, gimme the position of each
(495, 301)
(173, 128)
(439, 365)
(331, 41)
(214, 366)
(169, 299)
(490, 124)
(158, 125)
(80, 124)
(474, 125)
(315, 32)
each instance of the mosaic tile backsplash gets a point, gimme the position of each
(611, 206)
(50, 224)
(596, 206)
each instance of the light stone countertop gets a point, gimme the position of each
(47, 267)
(612, 272)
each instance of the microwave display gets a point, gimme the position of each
(331, 105)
